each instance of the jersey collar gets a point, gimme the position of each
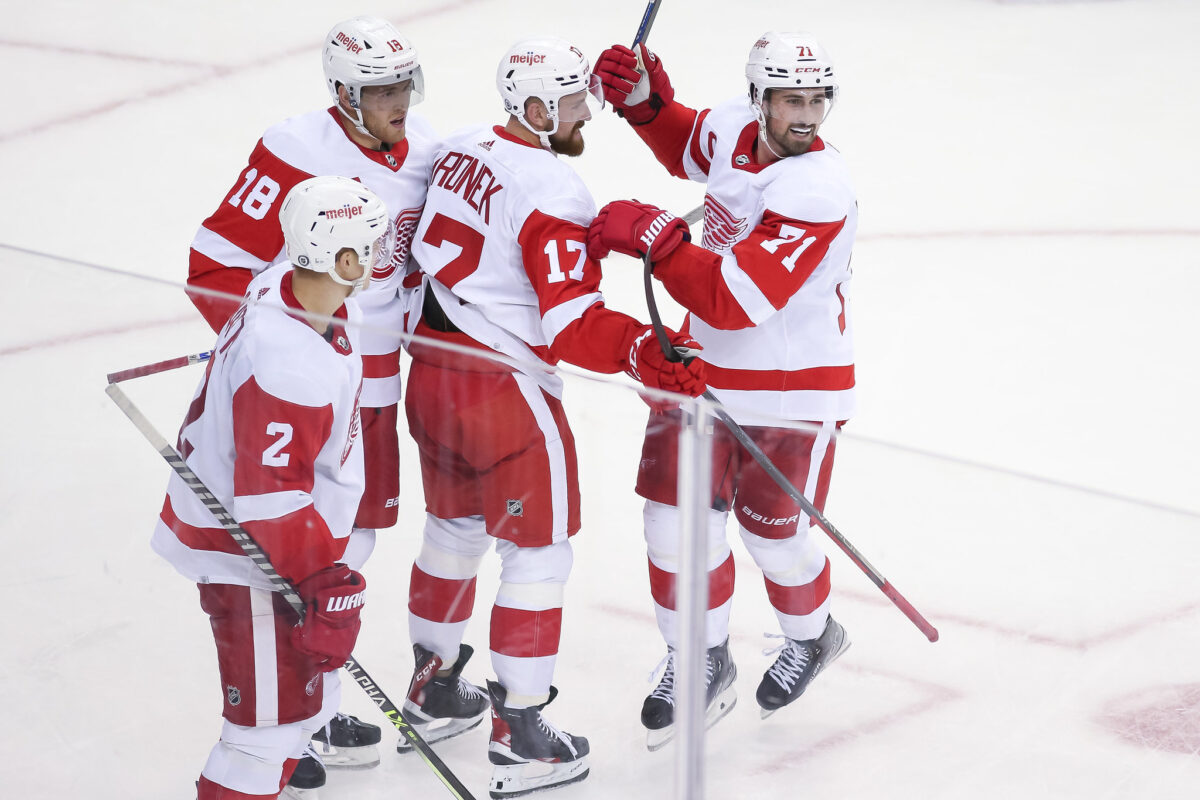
(743, 156)
(508, 137)
(336, 336)
(393, 159)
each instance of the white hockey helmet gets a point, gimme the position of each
(788, 61)
(368, 51)
(322, 216)
(549, 69)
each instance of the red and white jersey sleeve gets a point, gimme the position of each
(770, 300)
(243, 236)
(273, 431)
(503, 239)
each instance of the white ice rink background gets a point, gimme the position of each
(1023, 467)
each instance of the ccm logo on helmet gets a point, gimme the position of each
(349, 42)
(527, 58)
(345, 212)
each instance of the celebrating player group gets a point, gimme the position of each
(355, 233)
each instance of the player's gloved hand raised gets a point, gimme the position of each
(332, 599)
(632, 228)
(648, 364)
(636, 93)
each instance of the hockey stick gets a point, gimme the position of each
(252, 549)
(780, 479)
(643, 31)
(159, 366)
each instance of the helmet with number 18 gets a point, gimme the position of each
(368, 51)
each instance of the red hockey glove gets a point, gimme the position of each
(630, 227)
(332, 599)
(636, 94)
(648, 364)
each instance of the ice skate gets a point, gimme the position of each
(797, 665)
(308, 777)
(347, 741)
(528, 752)
(441, 706)
(658, 712)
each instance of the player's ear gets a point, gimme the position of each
(343, 96)
(347, 264)
(536, 114)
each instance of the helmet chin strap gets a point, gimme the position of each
(543, 136)
(355, 285)
(357, 120)
(762, 130)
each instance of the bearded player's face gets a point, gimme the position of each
(573, 112)
(793, 117)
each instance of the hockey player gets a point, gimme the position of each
(274, 433)
(502, 238)
(768, 298)
(374, 76)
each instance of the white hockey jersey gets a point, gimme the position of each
(775, 319)
(503, 239)
(244, 232)
(273, 432)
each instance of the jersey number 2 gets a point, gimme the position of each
(274, 456)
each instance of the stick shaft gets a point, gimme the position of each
(643, 31)
(159, 366)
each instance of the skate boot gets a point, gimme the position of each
(308, 777)
(798, 663)
(528, 752)
(658, 712)
(347, 741)
(441, 706)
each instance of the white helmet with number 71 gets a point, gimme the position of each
(322, 216)
(549, 69)
(789, 61)
(368, 51)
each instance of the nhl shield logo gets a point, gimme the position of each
(515, 508)
(234, 695)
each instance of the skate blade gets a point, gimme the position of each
(348, 757)
(515, 780)
(292, 793)
(656, 740)
(722, 704)
(438, 730)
